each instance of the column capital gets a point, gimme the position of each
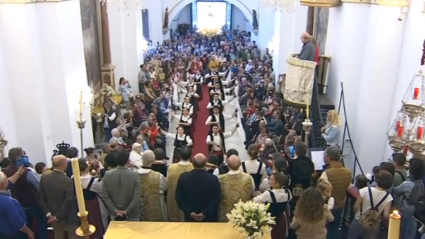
(28, 1)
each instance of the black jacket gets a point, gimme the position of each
(198, 191)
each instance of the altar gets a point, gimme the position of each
(174, 230)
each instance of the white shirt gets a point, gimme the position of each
(377, 195)
(184, 118)
(162, 179)
(217, 117)
(185, 105)
(215, 102)
(280, 195)
(217, 140)
(330, 204)
(135, 159)
(181, 138)
(233, 172)
(252, 168)
(96, 185)
(112, 117)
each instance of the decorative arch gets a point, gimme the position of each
(176, 9)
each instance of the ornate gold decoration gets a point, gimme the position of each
(391, 3)
(321, 3)
(28, 1)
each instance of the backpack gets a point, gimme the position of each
(401, 175)
(370, 220)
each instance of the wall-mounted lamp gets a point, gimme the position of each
(403, 12)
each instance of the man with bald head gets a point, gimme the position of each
(308, 51)
(198, 192)
(57, 199)
(235, 185)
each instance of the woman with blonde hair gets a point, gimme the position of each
(332, 130)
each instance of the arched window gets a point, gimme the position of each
(206, 9)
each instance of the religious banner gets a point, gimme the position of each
(299, 81)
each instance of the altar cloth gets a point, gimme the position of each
(172, 230)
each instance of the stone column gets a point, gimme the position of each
(108, 74)
(126, 50)
(44, 70)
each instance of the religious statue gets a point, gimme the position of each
(3, 144)
(254, 20)
(165, 25)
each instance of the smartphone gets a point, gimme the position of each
(25, 161)
(291, 151)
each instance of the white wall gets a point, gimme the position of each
(266, 21)
(366, 58)
(46, 39)
(238, 18)
(126, 34)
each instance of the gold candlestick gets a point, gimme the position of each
(85, 229)
(394, 227)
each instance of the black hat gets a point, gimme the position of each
(302, 168)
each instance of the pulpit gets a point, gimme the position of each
(299, 82)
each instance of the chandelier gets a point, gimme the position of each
(407, 131)
(210, 30)
(125, 5)
(280, 5)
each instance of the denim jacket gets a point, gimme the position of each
(401, 193)
(332, 135)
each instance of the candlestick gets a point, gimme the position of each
(420, 133)
(78, 189)
(416, 93)
(400, 131)
(394, 227)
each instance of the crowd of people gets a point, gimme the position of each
(134, 180)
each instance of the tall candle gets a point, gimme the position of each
(400, 131)
(81, 104)
(420, 133)
(416, 93)
(398, 124)
(406, 150)
(394, 227)
(78, 188)
(308, 111)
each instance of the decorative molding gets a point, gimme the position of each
(28, 1)
(390, 3)
(321, 3)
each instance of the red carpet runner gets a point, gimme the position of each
(201, 130)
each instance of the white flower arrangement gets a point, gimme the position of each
(251, 219)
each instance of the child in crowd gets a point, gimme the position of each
(399, 160)
(359, 182)
(278, 197)
(39, 169)
(310, 217)
(325, 189)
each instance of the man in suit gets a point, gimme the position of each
(57, 199)
(198, 193)
(122, 190)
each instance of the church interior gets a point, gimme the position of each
(188, 116)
